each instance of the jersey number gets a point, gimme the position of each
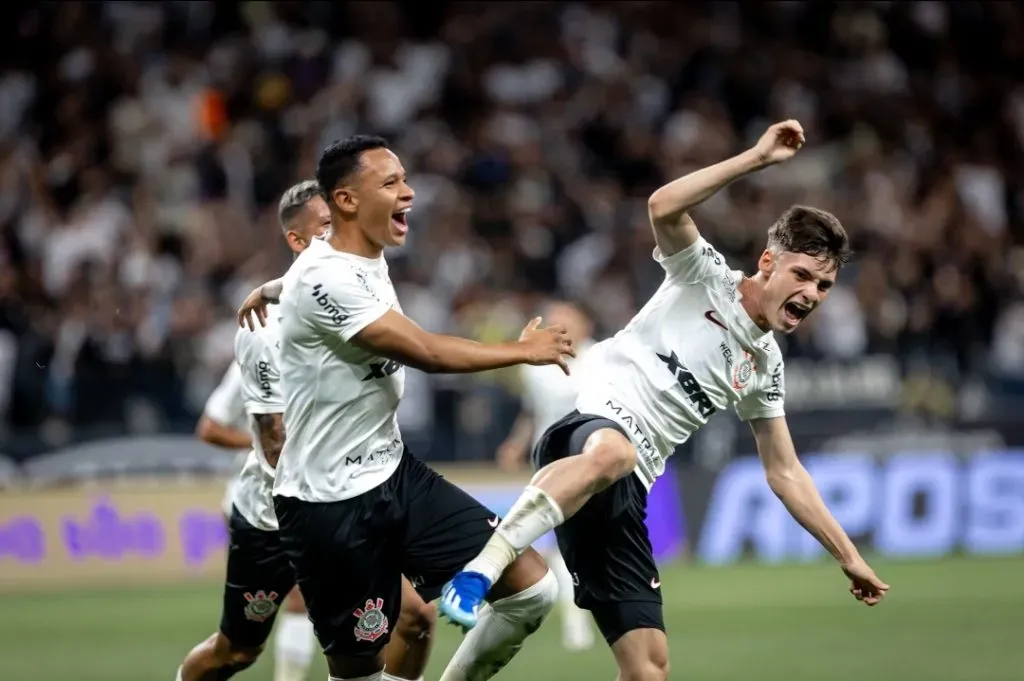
(382, 369)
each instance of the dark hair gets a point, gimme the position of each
(294, 200)
(340, 159)
(812, 231)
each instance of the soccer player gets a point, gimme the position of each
(702, 342)
(225, 424)
(356, 509)
(259, 578)
(548, 395)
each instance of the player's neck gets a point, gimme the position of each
(348, 238)
(750, 299)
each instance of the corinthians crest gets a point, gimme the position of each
(261, 605)
(743, 370)
(372, 623)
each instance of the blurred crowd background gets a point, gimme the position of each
(143, 148)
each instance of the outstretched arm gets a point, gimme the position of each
(793, 485)
(668, 206)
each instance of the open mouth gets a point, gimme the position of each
(400, 220)
(795, 312)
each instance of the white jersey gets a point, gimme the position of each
(690, 351)
(548, 394)
(256, 355)
(226, 407)
(341, 401)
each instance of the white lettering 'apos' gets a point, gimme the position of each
(342, 436)
(256, 354)
(690, 351)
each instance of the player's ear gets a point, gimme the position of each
(345, 199)
(766, 264)
(296, 242)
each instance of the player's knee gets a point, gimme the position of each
(651, 667)
(294, 602)
(416, 621)
(232, 654)
(532, 603)
(612, 457)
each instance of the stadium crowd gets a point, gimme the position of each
(143, 147)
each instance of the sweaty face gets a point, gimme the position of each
(796, 285)
(384, 198)
(312, 222)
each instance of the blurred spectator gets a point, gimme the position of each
(143, 147)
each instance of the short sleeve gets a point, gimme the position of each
(767, 402)
(335, 298)
(256, 353)
(225, 405)
(698, 262)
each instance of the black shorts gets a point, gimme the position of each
(258, 578)
(350, 555)
(605, 545)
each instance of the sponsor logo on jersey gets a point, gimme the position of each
(260, 605)
(382, 369)
(774, 393)
(712, 317)
(698, 398)
(371, 622)
(648, 455)
(381, 455)
(329, 305)
(263, 378)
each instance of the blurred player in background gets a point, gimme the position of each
(548, 395)
(702, 343)
(259, 577)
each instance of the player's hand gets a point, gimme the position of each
(780, 142)
(550, 345)
(255, 305)
(865, 585)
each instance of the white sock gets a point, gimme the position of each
(379, 676)
(294, 646)
(177, 677)
(500, 630)
(391, 677)
(533, 515)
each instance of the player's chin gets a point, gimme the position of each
(786, 322)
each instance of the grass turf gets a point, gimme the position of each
(950, 620)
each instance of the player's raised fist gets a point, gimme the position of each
(550, 345)
(780, 142)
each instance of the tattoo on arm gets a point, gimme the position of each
(271, 432)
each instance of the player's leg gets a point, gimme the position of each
(576, 631)
(446, 527)
(258, 578)
(407, 653)
(294, 642)
(593, 453)
(607, 549)
(346, 556)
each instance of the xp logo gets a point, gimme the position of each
(689, 384)
(382, 370)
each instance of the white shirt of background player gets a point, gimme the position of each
(256, 356)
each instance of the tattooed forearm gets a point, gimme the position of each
(271, 431)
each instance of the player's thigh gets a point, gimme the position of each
(446, 527)
(346, 562)
(418, 614)
(642, 655)
(608, 552)
(258, 578)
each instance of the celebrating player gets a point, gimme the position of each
(547, 396)
(259, 578)
(356, 509)
(701, 343)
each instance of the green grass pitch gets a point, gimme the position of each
(949, 620)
